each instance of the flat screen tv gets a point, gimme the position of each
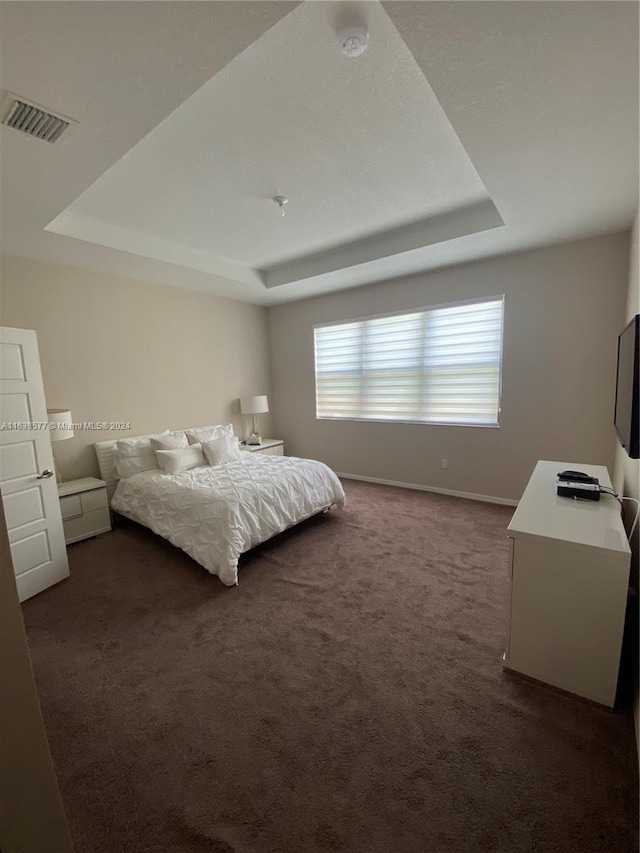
(627, 397)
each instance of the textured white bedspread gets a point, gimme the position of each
(215, 513)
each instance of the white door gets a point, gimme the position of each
(27, 482)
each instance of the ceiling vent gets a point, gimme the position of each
(35, 120)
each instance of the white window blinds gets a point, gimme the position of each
(438, 366)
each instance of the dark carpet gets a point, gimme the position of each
(347, 695)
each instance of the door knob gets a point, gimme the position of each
(45, 475)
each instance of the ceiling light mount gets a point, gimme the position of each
(281, 200)
(353, 40)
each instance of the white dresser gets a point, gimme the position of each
(85, 508)
(269, 447)
(569, 576)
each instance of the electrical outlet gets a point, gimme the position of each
(445, 463)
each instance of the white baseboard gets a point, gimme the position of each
(490, 499)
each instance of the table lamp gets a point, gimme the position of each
(254, 406)
(63, 421)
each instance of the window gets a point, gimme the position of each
(435, 366)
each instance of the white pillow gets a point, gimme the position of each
(133, 455)
(170, 441)
(222, 450)
(180, 459)
(208, 433)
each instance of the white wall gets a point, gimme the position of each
(114, 349)
(563, 311)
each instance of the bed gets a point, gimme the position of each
(217, 512)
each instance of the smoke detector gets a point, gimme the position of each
(353, 41)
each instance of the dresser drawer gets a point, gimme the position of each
(70, 506)
(269, 447)
(96, 499)
(276, 450)
(88, 524)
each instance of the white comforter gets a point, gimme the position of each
(215, 513)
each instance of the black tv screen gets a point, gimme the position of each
(627, 397)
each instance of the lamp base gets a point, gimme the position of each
(254, 438)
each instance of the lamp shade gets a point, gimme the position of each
(254, 405)
(62, 419)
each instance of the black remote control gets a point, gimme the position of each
(576, 477)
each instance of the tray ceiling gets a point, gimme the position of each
(359, 147)
(465, 130)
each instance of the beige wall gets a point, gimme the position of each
(114, 349)
(564, 306)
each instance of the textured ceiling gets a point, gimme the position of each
(357, 145)
(460, 116)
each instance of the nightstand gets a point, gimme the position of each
(269, 447)
(85, 508)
